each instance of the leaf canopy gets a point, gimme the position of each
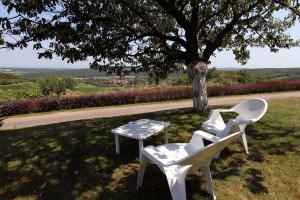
(155, 36)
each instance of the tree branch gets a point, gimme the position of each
(213, 45)
(171, 10)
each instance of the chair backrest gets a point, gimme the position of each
(203, 156)
(251, 109)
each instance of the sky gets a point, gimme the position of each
(260, 57)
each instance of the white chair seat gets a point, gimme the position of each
(173, 151)
(248, 111)
(177, 160)
(212, 127)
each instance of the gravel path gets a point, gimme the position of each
(73, 115)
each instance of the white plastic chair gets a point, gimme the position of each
(176, 160)
(248, 111)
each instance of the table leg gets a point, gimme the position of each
(141, 146)
(117, 141)
(166, 135)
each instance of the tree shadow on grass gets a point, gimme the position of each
(254, 181)
(60, 161)
(273, 139)
(77, 159)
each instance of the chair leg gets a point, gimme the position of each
(176, 180)
(143, 163)
(243, 140)
(207, 176)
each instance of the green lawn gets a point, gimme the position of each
(77, 160)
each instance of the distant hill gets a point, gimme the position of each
(270, 73)
(275, 73)
(35, 73)
(230, 69)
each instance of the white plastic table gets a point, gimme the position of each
(140, 130)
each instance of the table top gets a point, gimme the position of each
(140, 129)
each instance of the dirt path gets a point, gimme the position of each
(73, 115)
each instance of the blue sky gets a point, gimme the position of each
(260, 57)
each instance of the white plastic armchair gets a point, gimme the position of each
(248, 111)
(176, 160)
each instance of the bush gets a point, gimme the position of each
(221, 90)
(54, 86)
(70, 102)
(183, 80)
(70, 82)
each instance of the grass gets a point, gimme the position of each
(20, 86)
(77, 160)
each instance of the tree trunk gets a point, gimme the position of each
(197, 73)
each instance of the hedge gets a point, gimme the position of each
(16, 107)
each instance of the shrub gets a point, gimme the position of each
(70, 102)
(54, 86)
(183, 80)
(70, 82)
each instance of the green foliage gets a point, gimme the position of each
(21, 86)
(154, 36)
(25, 90)
(233, 77)
(19, 94)
(9, 76)
(7, 79)
(70, 82)
(54, 86)
(51, 86)
(281, 73)
(183, 80)
(212, 73)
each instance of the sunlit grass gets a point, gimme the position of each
(77, 160)
(12, 165)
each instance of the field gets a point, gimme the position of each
(20, 86)
(91, 89)
(91, 82)
(77, 160)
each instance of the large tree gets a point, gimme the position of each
(154, 36)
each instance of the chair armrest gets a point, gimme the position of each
(207, 136)
(243, 121)
(224, 110)
(215, 115)
(156, 156)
